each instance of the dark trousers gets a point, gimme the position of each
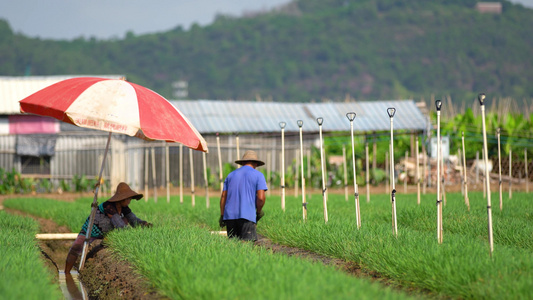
(242, 229)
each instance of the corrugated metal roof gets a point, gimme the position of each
(212, 116)
(15, 88)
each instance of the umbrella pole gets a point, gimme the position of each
(94, 205)
(438, 105)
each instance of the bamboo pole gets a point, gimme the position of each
(460, 161)
(282, 126)
(417, 173)
(345, 172)
(527, 176)
(477, 167)
(146, 161)
(443, 176)
(391, 111)
(387, 172)
(297, 173)
(322, 169)
(438, 105)
(220, 171)
(374, 158)
(484, 174)
(191, 164)
(500, 170)
(269, 173)
(56, 236)
(154, 175)
(424, 169)
(206, 180)
(406, 173)
(465, 178)
(367, 173)
(481, 99)
(304, 204)
(351, 118)
(510, 174)
(167, 171)
(181, 173)
(237, 147)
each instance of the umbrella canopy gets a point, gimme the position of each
(115, 106)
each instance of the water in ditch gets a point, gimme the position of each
(71, 286)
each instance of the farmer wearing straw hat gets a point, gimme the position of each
(243, 198)
(113, 213)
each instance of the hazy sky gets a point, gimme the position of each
(104, 19)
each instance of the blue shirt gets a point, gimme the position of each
(242, 186)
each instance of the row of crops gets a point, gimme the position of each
(183, 260)
(22, 272)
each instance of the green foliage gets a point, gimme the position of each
(11, 182)
(23, 274)
(313, 49)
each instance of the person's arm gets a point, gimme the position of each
(223, 202)
(260, 200)
(222, 207)
(134, 220)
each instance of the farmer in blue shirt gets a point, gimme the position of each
(243, 197)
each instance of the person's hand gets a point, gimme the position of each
(146, 224)
(259, 215)
(221, 222)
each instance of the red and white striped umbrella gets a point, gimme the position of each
(114, 105)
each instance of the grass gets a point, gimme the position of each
(22, 272)
(183, 260)
(460, 267)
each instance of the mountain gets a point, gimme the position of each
(311, 50)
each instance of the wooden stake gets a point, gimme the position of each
(181, 173)
(345, 172)
(465, 178)
(167, 171)
(510, 174)
(323, 170)
(282, 125)
(304, 204)
(438, 104)
(417, 173)
(527, 176)
(154, 175)
(351, 117)
(237, 147)
(367, 173)
(191, 163)
(146, 156)
(206, 180)
(481, 99)
(220, 171)
(406, 173)
(391, 112)
(424, 180)
(500, 170)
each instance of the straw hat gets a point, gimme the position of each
(249, 155)
(124, 192)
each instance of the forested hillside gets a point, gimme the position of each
(310, 50)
